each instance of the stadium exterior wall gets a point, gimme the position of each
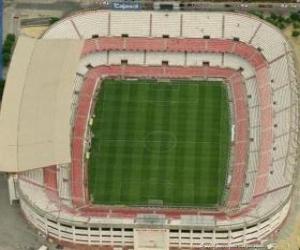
(122, 235)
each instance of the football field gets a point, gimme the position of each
(160, 143)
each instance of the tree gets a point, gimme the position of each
(7, 48)
(257, 13)
(6, 59)
(274, 16)
(2, 84)
(288, 20)
(53, 20)
(296, 25)
(11, 37)
(295, 33)
(280, 25)
(295, 16)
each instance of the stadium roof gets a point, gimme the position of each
(36, 107)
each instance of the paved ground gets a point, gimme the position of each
(289, 235)
(15, 232)
(15, 10)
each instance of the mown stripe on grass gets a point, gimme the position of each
(224, 142)
(155, 144)
(213, 136)
(103, 153)
(180, 151)
(164, 145)
(178, 177)
(198, 147)
(147, 155)
(128, 149)
(114, 113)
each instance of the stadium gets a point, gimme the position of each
(152, 130)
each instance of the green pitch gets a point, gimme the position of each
(160, 143)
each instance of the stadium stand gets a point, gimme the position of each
(234, 62)
(156, 58)
(67, 30)
(64, 179)
(36, 176)
(220, 46)
(171, 27)
(195, 26)
(236, 26)
(124, 25)
(50, 180)
(271, 48)
(134, 58)
(94, 24)
(197, 59)
(93, 59)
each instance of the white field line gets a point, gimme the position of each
(145, 141)
(154, 101)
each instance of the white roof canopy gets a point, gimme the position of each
(35, 114)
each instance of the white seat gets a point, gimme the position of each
(235, 62)
(197, 59)
(170, 27)
(92, 23)
(65, 29)
(133, 58)
(239, 26)
(132, 25)
(271, 48)
(200, 24)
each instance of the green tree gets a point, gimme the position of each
(2, 84)
(53, 20)
(6, 59)
(280, 25)
(295, 16)
(273, 16)
(11, 37)
(295, 33)
(296, 25)
(7, 48)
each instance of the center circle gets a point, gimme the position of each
(159, 141)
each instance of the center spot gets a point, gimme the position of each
(159, 141)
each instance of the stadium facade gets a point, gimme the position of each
(47, 109)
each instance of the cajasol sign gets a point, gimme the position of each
(125, 6)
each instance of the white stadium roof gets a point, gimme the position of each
(35, 113)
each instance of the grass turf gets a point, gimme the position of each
(157, 141)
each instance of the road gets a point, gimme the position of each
(279, 8)
(27, 9)
(23, 8)
(15, 232)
